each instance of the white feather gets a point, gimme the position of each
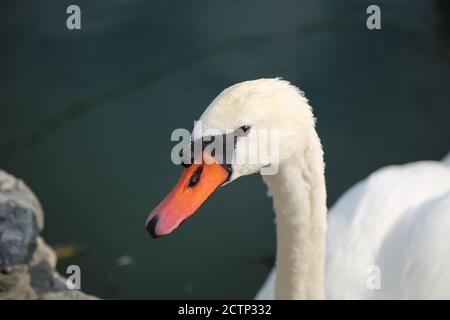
(397, 219)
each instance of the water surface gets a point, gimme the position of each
(86, 118)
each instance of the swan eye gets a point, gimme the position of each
(244, 130)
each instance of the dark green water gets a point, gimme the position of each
(86, 118)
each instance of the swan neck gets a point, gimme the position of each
(299, 196)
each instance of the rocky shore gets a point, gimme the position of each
(27, 263)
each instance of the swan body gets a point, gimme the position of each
(395, 223)
(398, 221)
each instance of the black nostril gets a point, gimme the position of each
(195, 178)
(151, 226)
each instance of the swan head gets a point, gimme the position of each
(253, 126)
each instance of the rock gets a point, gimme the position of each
(48, 284)
(43, 253)
(27, 263)
(14, 189)
(15, 284)
(18, 233)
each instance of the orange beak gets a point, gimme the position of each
(195, 185)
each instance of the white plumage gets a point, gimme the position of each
(391, 229)
(398, 220)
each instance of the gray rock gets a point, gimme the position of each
(18, 233)
(15, 284)
(13, 189)
(48, 284)
(27, 263)
(43, 253)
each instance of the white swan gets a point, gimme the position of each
(397, 220)
(394, 225)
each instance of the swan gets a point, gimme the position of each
(395, 224)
